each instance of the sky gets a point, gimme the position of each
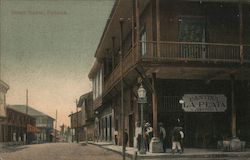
(48, 47)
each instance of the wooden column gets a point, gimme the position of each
(158, 33)
(241, 32)
(154, 105)
(233, 122)
(113, 53)
(137, 23)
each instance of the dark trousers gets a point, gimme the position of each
(116, 139)
(139, 142)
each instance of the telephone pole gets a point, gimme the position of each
(77, 136)
(55, 125)
(27, 110)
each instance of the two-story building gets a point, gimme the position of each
(21, 127)
(193, 57)
(77, 129)
(88, 117)
(44, 122)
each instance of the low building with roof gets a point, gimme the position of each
(44, 122)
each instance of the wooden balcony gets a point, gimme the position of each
(195, 51)
(129, 61)
(174, 52)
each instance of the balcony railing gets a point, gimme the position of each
(192, 51)
(129, 60)
(178, 52)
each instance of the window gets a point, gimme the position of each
(192, 29)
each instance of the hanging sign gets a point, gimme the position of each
(204, 103)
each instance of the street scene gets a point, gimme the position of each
(124, 79)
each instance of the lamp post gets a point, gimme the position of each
(142, 99)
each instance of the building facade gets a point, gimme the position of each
(88, 116)
(3, 126)
(193, 59)
(44, 122)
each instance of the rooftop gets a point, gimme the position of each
(31, 111)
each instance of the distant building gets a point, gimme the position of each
(76, 126)
(88, 117)
(83, 122)
(19, 126)
(3, 126)
(43, 122)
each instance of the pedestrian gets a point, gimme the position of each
(149, 134)
(182, 139)
(162, 135)
(116, 137)
(176, 138)
(138, 131)
(125, 137)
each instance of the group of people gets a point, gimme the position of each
(177, 137)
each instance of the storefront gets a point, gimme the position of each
(203, 110)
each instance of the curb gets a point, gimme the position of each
(178, 156)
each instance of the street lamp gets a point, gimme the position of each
(142, 99)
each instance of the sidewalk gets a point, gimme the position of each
(189, 152)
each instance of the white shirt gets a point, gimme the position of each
(163, 132)
(137, 131)
(182, 134)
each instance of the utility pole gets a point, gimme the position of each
(27, 110)
(77, 137)
(55, 125)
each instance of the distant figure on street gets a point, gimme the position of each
(162, 135)
(116, 137)
(126, 137)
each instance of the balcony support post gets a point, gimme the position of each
(137, 26)
(158, 30)
(241, 32)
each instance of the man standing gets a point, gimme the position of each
(162, 133)
(176, 138)
(126, 137)
(182, 139)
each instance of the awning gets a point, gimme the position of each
(32, 129)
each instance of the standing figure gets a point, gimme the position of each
(125, 137)
(182, 139)
(138, 135)
(116, 137)
(162, 135)
(149, 134)
(176, 138)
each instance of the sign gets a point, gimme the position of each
(204, 103)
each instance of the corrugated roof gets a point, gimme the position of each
(31, 111)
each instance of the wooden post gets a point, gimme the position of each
(233, 108)
(113, 52)
(158, 28)
(137, 19)
(241, 32)
(154, 103)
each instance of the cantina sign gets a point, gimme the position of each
(204, 103)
